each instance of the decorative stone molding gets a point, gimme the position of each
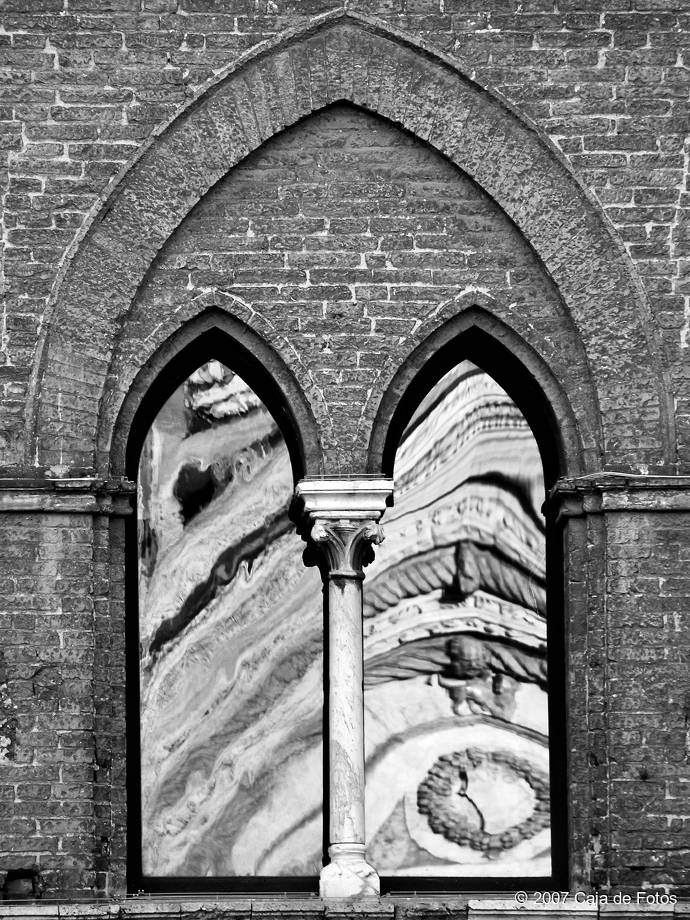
(441, 797)
(599, 493)
(531, 908)
(85, 495)
(362, 497)
(346, 544)
(340, 518)
(434, 908)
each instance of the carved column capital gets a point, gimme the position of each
(346, 544)
(340, 518)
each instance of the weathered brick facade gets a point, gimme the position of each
(347, 192)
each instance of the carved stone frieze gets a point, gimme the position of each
(446, 796)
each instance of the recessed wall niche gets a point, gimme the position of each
(230, 643)
(455, 646)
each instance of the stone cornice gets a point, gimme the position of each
(83, 495)
(604, 492)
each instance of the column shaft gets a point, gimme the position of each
(346, 710)
(340, 518)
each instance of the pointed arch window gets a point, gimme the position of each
(227, 689)
(463, 670)
(462, 653)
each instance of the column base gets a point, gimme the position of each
(348, 874)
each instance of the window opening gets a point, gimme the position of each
(455, 648)
(230, 646)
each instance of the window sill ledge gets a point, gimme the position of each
(398, 907)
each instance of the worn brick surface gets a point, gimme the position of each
(641, 650)
(47, 627)
(344, 241)
(341, 239)
(353, 59)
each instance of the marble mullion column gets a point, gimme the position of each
(340, 518)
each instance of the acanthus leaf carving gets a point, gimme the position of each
(346, 543)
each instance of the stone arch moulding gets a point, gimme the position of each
(347, 57)
(132, 399)
(569, 440)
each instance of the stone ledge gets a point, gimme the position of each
(598, 493)
(73, 495)
(334, 498)
(228, 907)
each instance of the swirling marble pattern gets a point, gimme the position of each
(455, 643)
(231, 648)
(231, 637)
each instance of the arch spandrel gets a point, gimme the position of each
(347, 57)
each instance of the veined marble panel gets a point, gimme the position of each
(231, 637)
(454, 645)
(456, 721)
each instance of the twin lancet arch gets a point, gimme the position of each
(578, 408)
(460, 599)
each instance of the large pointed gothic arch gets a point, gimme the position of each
(343, 56)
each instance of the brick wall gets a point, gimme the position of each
(47, 770)
(342, 235)
(87, 83)
(644, 659)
